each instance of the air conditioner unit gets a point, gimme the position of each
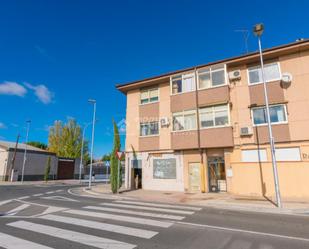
(164, 122)
(234, 75)
(246, 131)
(286, 79)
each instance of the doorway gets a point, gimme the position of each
(194, 177)
(216, 174)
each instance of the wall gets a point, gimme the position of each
(3, 163)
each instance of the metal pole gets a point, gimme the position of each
(118, 176)
(25, 153)
(271, 138)
(91, 156)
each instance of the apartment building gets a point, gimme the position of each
(203, 129)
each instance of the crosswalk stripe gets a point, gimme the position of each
(17, 209)
(77, 237)
(4, 202)
(160, 205)
(37, 195)
(141, 233)
(23, 197)
(148, 208)
(125, 211)
(131, 219)
(11, 242)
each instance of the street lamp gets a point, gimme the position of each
(82, 151)
(92, 101)
(25, 153)
(258, 31)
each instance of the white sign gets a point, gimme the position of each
(229, 173)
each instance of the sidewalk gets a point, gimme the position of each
(50, 182)
(214, 200)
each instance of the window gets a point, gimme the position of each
(211, 77)
(164, 168)
(277, 115)
(272, 72)
(288, 154)
(150, 95)
(214, 116)
(185, 120)
(183, 83)
(149, 129)
(254, 156)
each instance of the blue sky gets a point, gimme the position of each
(55, 54)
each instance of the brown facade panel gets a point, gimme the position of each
(184, 101)
(184, 140)
(274, 90)
(281, 133)
(217, 137)
(149, 143)
(149, 111)
(213, 96)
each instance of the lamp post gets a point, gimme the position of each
(82, 152)
(92, 101)
(25, 153)
(258, 31)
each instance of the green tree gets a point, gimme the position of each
(114, 161)
(47, 169)
(106, 157)
(38, 144)
(66, 140)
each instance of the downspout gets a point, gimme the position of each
(202, 167)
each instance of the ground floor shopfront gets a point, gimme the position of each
(243, 170)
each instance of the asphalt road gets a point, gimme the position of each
(39, 216)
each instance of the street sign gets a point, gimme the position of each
(119, 154)
(107, 164)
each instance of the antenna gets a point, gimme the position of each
(246, 34)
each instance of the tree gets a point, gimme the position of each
(106, 157)
(66, 140)
(47, 169)
(114, 161)
(38, 144)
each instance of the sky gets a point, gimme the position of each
(56, 54)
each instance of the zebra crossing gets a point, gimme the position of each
(123, 220)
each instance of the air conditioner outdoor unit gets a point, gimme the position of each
(246, 131)
(164, 122)
(234, 75)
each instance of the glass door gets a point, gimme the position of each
(216, 174)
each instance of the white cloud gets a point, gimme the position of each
(12, 88)
(42, 92)
(2, 126)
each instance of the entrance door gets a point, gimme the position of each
(65, 169)
(216, 175)
(194, 177)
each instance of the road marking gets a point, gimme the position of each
(52, 209)
(121, 218)
(59, 198)
(160, 205)
(243, 231)
(23, 197)
(86, 239)
(17, 209)
(49, 192)
(59, 190)
(148, 208)
(5, 202)
(36, 195)
(141, 233)
(11, 242)
(155, 215)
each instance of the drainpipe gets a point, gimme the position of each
(199, 132)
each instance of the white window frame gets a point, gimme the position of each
(215, 126)
(272, 123)
(183, 76)
(152, 135)
(261, 82)
(148, 91)
(183, 113)
(210, 71)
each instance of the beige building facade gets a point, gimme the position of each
(204, 129)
